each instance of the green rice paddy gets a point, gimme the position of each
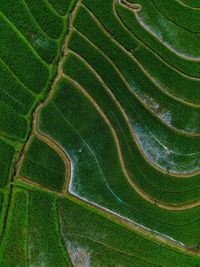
(99, 133)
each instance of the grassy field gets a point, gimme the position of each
(99, 133)
(167, 49)
(84, 234)
(14, 253)
(74, 67)
(104, 243)
(93, 179)
(43, 165)
(190, 3)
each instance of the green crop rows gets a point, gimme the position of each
(99, 133)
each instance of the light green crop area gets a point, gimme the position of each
(99, 133)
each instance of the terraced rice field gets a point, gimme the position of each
(100, 133)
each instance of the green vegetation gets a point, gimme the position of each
(148, 91)
(43, 165)
(164, 185)
(16, 58)
(181, 15)
(13, 250)
(93, 179)
(103, 243)
(13, 93)
(99, 133)
(61, 6)
(1, 202)
(183, 60)
(191, 3)
(44, 244)
(6, 155)
(46, 17)
(12, 124)
(23, 20)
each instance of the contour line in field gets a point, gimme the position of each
(114, 217)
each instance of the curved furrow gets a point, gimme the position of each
(182, 16)
(64, 98)
(123, 35)
(190, 4)
(69, 124)
(183, 64)
(150, 47)
(166, 132)
(149, 98)
(63, 155)
(78, 74)
(131, 42)
(141, 97)
(134, 6)
(148, 55)
(163, 30)
(81, 130)
(133, 76)
(65, 158)
(178, 87)
(71, 186)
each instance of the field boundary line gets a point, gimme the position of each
(15, 77)
(112, 248)
(133, 58)
(36, 113)
(146, 46)
(176, 130)
(37, 24)
(59, 150)
(24, 40)
(188, 6)
(109, 91)
(170, 20)
(117, 219)
(143, 194)
(140, 229)
(181, 56)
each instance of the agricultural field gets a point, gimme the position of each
(99, 133)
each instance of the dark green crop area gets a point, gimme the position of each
(99, 133)
(43, 165)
